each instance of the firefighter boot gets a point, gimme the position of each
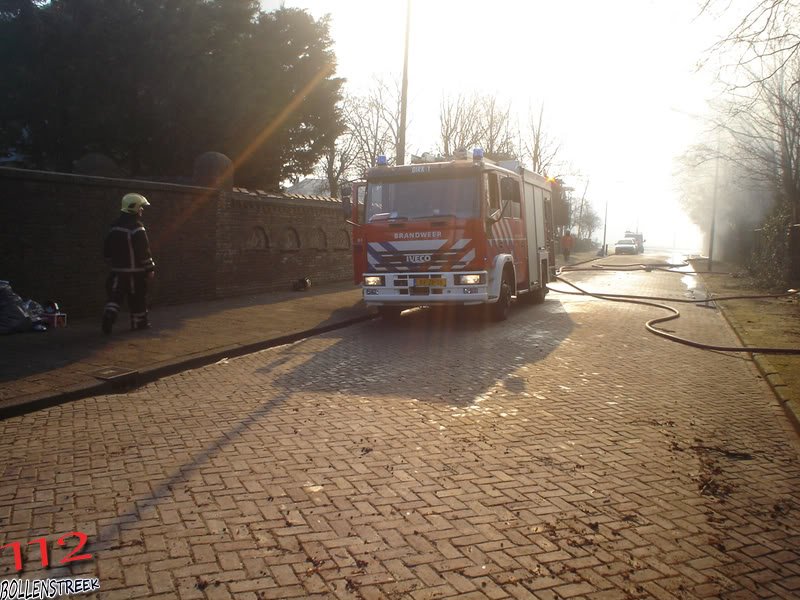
(139, 321)
(109, 316)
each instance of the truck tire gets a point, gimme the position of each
(533, 297)
(502, 307)
(390, 313)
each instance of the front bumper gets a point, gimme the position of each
(425, 289)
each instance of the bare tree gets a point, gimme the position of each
(764, 128)
(480, 121)
(769, 30)
(391, 95)
(459, 123)
(539, 147)
(752, 168)
(579, 220)
(588, 222)
(497, 138)
(373, 121)
(338, 162)
(371, 128)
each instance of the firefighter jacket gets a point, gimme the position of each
(127, 247)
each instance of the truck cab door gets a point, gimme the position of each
(358, 207)
(549, 235)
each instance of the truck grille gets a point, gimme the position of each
(441, 255)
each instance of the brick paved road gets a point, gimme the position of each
(564, 453)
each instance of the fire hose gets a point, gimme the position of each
(675, 314)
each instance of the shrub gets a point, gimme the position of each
(769, 262)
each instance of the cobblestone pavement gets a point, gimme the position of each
(564, 453)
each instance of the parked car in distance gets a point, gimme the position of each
(638, 239)
(626, 246)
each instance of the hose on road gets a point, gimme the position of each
(675, 314)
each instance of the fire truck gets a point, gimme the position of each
(466, 231)
(638, 238)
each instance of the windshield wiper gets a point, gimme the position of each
(386, 217)
(444, 216)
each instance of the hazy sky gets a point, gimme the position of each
(618, 80)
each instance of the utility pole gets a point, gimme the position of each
(580, 210)
(713, 215)
(605, 227)
(401, 137)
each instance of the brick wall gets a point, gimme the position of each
(206, 244)
(264, 242)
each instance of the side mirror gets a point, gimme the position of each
(509, 189)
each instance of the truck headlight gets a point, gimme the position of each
(374, 280)
(469, 279)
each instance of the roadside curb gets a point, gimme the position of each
(33, 402)
(580, 262)
(790, 406)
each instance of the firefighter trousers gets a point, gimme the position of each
(132, 286)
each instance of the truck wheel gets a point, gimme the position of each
(502, 307)
(389, 313)
(532, 297)
(537, 296)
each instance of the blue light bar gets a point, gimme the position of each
(381, 160)
(477, 154)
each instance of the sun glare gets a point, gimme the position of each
(610, 77)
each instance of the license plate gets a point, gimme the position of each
(429, 282)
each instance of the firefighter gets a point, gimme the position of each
(567, 244)
(128, 251)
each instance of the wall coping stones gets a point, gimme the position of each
(143, 184)
(139, 184)
(239, 193)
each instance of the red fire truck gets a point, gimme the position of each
(460, 232)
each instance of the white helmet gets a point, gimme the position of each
(131, 203)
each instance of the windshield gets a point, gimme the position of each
(626, 243)
(423, 198)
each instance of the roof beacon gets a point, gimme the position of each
(477, 154)
(381, 160)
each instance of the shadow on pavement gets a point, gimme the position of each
(29, 353)
(383, 358)
(177, 330)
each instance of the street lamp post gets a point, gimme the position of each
(713, 215)
(401, 136)
(580, 209)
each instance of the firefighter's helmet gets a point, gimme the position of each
(131, 203)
